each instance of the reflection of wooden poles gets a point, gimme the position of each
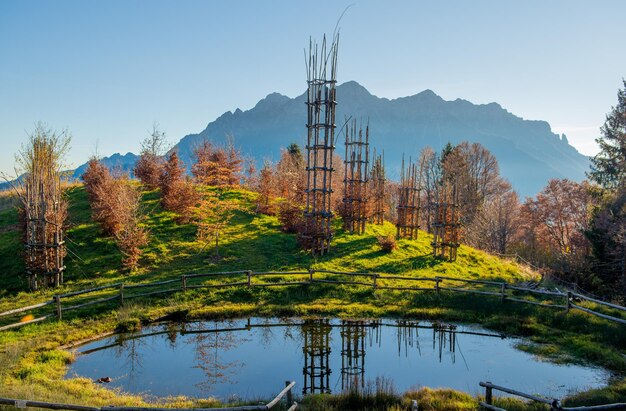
(316, 349)
(352, 354)
(321, 102)
(407, 224)
(356, 179)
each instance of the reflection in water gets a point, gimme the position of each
(354, 334)
(252, 358)
(211, 346)
(316, 349)
(352, 354)
(130, 351)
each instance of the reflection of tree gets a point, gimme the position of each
(133, 361)
(172, 334)
(267, 334)
(210, 347)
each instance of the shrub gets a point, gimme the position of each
(387, 244)
(290, 217)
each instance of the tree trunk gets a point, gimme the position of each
(217, 244)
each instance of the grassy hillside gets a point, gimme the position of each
(252, 241)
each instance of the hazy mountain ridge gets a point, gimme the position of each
(528, 152)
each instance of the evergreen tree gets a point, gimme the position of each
(608, 227)
(608, 167)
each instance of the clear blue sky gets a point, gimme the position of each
(107, 70)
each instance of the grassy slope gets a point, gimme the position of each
(256, 242)
(251, 242)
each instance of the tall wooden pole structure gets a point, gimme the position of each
(356, 178)
(409, 201)
(377, 189)
(321, 102)
(446, 225)
(43, 212)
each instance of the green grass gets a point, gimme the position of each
(31, 364)
(252, 241)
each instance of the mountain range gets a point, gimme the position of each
(528, 152)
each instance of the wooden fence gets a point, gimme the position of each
(63, 303)
(285, 393)
(553, 403)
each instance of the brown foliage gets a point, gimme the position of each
(387, 243)
(95, 174)
(555, 224)
(104, 204)
(216, 166)
(43, 210)
(148, 167)
(290, 217)
(291, 175)
(213, 215)
(130, 236)
(177, 193)
(181, 199)
(496, 225)
(266, 187)
(115, 204)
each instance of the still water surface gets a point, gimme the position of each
(252, 358)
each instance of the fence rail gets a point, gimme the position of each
(248, 278)
(285, 393)
(553, 403)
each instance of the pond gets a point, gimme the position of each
(252, 359)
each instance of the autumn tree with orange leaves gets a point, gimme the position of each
(555, 225)
(150, 163)
(178, 193)
(217, 166)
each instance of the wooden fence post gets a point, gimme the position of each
(122, 294)
(374, 277)
(311, 271)
(289, 395)
(488, 393)
(437, 279)
(57, 300)
(183, 280)
(249, 273)
(568, 303)
(503, 292)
